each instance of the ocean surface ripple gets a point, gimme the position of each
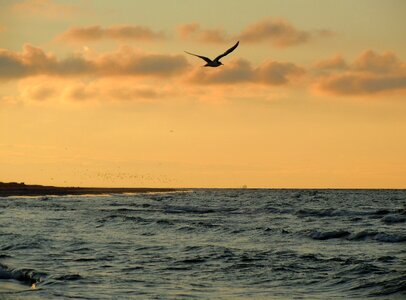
(205, 244)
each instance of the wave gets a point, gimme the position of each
(278, 210)
(69, 277)
(357, 236)
(319, 235)
(21, 245)
(378, 236)
(196, 210)
(32, 277)
(381, 286)
(363, 269)
(27, 276)
(332, 212)
(391, 219)
(388, 287)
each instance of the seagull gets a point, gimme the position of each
(216, 62)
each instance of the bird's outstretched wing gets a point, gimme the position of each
(208, 60)
(227, 52)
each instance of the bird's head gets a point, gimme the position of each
(220, 63)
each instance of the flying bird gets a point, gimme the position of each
(215, 62)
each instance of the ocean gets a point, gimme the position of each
(205, 244)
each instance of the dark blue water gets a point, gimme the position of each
(208, 244)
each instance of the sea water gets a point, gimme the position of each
(205, 244)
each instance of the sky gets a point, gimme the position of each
(101, 93)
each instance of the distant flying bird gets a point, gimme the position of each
(216, 62)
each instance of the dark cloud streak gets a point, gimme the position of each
(124, 62)
(117, 32)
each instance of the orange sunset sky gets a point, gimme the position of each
(101, 93)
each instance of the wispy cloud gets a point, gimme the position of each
(39, 91)
(117, 32)
(112, 90)
(194, 31)
(371, 73)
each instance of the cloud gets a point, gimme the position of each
(45, 89)
(15, 65)
(135, 93)
(335, 63)
(371, 73)
(277, 32)
(378, 63)
(125, 61)
(40, 92)
(241, 71)
(110, 90)
(324, 33)
(44, 8)
(130, 75)
(193, 31)
(278, 73)
(352, 84)
(186, 30)
(237, 71)
(117, 32)
(3, 29)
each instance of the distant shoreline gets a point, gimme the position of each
(22, 189)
